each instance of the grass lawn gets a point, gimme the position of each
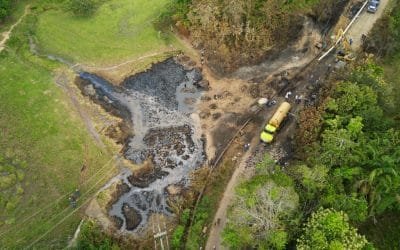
(44, 140)
(118, 31)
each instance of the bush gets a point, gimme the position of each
(5, 8)
(83, 7)
(92, 237)
(177, 237)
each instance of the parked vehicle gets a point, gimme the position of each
(267, 135)
(373, 6)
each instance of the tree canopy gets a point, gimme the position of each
(330, 229)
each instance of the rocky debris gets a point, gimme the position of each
(190, 101)
(205, 98)
(226, 94)
(216, 116)
(132, 217)
(203, 84)
(254, 91)
(204, 115)
(213, 106)
(244, 88)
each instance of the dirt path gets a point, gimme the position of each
(365, 23)
(114, 67)
(6, 35)
(62, 81)
(221, 215)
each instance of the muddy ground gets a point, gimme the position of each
(158, 132)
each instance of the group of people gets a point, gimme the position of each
(297, 98)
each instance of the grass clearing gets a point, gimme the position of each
(119, 30)
(40, 132)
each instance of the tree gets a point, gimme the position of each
(313, 179)
(260, 212)
(330, 229)
(381, 182)
(353, 205)
(350, 100)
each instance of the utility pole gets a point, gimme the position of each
(160, 235)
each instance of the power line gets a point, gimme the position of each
(69, 215)
(53, 203)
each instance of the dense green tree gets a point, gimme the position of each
(330, 229)
(372, 75)
(313, 179)
(353, 205)
(263, 207)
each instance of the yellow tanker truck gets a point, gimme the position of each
(267, 135)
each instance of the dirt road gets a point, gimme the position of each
(6, 35)
(365, 23)
(362, 26)
(214, 237)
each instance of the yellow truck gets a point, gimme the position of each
(267, 135)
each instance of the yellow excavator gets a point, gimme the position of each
(344, 50)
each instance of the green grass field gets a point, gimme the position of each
(42, 149)
(119, 30)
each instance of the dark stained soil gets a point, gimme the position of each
(132, 217)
